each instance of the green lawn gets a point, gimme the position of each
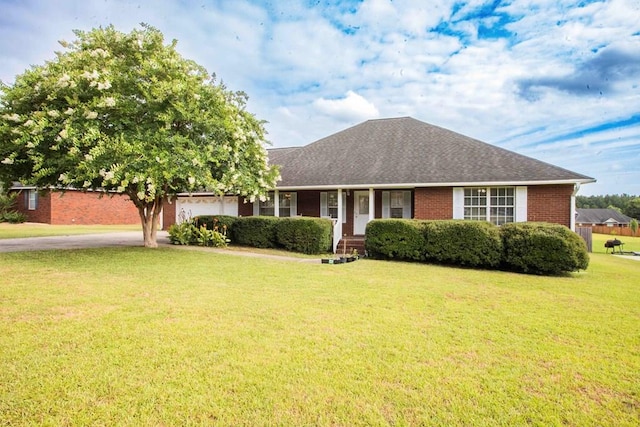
(630, 243)
(13, 231)
(128, 336)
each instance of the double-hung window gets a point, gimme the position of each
(396, 204)
(32, 199)
(494, 204)
(329, 205)
(287, 202)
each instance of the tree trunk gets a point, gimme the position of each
(149, 214)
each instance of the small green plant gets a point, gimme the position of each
(186, 232)
(182, 234)
(634, 226)
(13, 217)
(213, 238)
(7, 211)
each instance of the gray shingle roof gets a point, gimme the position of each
(407, 151)
(600, 216)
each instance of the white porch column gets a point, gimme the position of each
(340, 219)
(372, 204)
(337, 223)
(276, 203)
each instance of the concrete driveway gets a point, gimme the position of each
(80, 241)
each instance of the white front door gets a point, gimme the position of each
(360, 211)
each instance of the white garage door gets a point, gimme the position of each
(197, 206)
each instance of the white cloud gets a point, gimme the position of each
(351, 107)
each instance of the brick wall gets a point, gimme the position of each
(168, 213)
(41, 214)
(433, 203)
(550, 203)
(76, 207)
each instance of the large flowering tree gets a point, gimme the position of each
(125, 113)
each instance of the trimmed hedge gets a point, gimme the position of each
(464, 243)
(542, 248)
(256, 231)
(535, 248)
(400, 239)
(306, 235)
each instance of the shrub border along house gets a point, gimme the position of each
(305, 235)
(534, 248)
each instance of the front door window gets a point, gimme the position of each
(360, 212)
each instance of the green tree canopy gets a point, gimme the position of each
(128, 114)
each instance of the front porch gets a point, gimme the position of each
(350, 209)
(348, 244)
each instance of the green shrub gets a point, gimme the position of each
(306, 235)
(464, 243)
(205, 237)
(183, 233)
(7, 206)
(256, 231)
(542, 248)
(400, 239)
(187, 233)
(220, 223)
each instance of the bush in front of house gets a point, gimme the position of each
(220, 223)
(7, 211)
(255, 231)
(306, 235)
(462, 242)
(542, 248)
(400, 239)
(188, 233)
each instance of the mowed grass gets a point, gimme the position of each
(128, 336)
(631, 244)
(32, 229)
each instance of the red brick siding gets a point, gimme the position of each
(550, 203)
(168, 213)
(433, 203)
(42, 213)
(76, 207)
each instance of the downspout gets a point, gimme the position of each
(576, 188)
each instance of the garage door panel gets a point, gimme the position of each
(198, 206)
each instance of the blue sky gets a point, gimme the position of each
(555, 80)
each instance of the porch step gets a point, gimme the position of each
(350, 243)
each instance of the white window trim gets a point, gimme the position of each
(324, 205)
(386, 204)
(32, 200)
(293, 203)
(520, 202)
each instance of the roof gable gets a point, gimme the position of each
(406, 151)
(601, 216)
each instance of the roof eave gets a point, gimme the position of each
(435, 184)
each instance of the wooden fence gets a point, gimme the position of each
(585, 233)
(614, 231)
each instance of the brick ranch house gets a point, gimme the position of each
(402, 168)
